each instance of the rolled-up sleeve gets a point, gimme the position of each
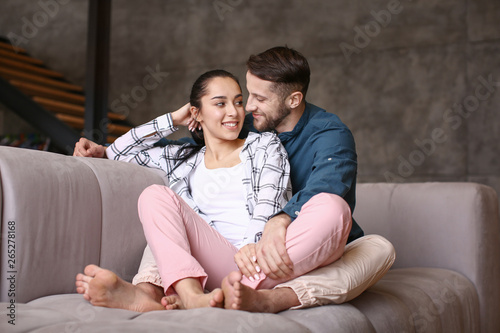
(333, 170)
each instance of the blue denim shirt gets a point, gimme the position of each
(322, 156)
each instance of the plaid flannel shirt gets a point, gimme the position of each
(267, 171)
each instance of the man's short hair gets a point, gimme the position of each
(286, 67)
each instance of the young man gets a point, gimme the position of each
(323, 159)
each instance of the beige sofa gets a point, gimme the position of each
(60, 213)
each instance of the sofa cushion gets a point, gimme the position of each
(71, 313)
(405, 300)
(421, 300)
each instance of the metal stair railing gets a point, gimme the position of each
(63, 136)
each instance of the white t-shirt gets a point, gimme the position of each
(220, 194)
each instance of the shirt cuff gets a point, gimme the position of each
(165, 122)
(292, 210)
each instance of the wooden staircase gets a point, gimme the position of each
(51, 91)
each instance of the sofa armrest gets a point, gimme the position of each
(63, 213)
(446, 225)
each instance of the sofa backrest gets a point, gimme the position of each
(446, 225)
(62, 213)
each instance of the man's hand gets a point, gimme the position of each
(246, 260)
(271, 249)
(87, 148)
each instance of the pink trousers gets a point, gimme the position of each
(185, 246)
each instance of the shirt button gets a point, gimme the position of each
(296, 212)
(330, 159)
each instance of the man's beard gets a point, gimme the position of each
(270, 124)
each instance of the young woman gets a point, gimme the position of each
(221, 193)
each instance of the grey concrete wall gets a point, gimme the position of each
(418, 82)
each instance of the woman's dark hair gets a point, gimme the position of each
(199, 90)
(287, 68)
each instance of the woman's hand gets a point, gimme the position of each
(183, 117)
(246, 260)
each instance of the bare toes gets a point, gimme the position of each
(172, 302)
(217, 298)
(91, 270)
(171, 307)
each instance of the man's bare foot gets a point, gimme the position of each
(238, 296)
(102, 287)
(172, 302)
(154, 291)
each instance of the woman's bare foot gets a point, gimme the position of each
(192, 295)
(238, 296)
(172, 302)
(214, 299)
(102, 287)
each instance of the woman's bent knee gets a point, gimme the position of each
(152, 198)
(154, 193)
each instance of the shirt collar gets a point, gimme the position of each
(300, 124)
